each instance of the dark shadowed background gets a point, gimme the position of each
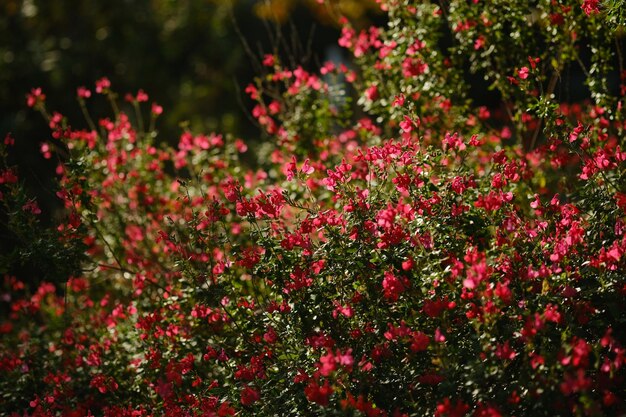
(188, 55)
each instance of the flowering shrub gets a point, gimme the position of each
(410, 254)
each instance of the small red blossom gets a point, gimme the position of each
(523, 73)
(9, 140)
(32, 207)
(249, 396)
(393, 286)
(83, 92)
(533, 62)
(408, 124)
(479, 43)
(448, 409)
(269, 60)
(156, 109)
(419, 342)
(591, 7)
(35, 97)
(103, 85)
(398, 101)
(318, 394)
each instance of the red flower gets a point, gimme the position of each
(83, 92)
(392, 286)
(249, 396)
(35, 97)
(269, 60)
(447, 409)
(523, 73)
(419, 342)
(620, 199)
(590, 7)
(102, 85)
(318, 394)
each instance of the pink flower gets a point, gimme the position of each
(35, 97)
(398, 101)
(408, 264)
(31, 207)
(392, 286)
(141, 96)
(533, 62)
(523, 73)
(269, 60)
(590, 7)
(439, 336)
(156, 110)
(252, 91)
(372, 93)
(290, 168)
(307, 169)
(102, 85)
(504, 351)
(327, 364)
(274, 107)
(83, 92)
(409, 124)
(479, 43)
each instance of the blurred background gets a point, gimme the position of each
(188, 55)
(193, 57)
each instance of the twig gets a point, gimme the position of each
(551, 87)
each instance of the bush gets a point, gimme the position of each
(413, 253)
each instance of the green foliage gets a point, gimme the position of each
(400, 248)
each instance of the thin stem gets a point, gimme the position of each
(139, 118)
(83, 109)
(119, 263)
(116, 110)
(551, 87)
(152, 126)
